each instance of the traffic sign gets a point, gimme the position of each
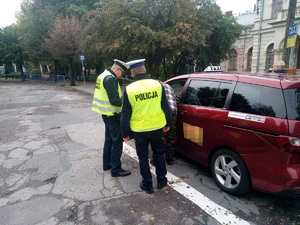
(293, 29)
(81, 58)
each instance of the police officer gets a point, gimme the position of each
(107, 101)
(146, 112)
(170, 136)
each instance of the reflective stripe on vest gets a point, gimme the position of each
(101, 102)
(147, 114)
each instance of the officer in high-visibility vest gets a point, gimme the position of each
(107, 101)
(146, 112)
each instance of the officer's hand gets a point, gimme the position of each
(125, 139)
(166, 129)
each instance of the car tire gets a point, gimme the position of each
(230, 172)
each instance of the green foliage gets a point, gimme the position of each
(37, 18)
(151, 29)
(219, 43)
(11, 49)
(170, 34)
(78, 11)
(34, 22)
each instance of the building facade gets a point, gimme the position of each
(261, 44)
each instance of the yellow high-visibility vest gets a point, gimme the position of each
(101, 102)
(147, 114)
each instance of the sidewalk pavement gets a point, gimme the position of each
(86, 87)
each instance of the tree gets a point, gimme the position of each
(219, 42)
(11, 49)
(205, 13)
(64, 42)
(164, 32)
(36, 19)
(168, 33)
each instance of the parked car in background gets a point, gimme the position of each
(246, 128)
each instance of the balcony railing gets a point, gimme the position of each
(284, 13)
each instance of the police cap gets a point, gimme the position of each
(121, 64)
(136, 63)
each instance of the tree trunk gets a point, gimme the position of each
(71, 71)
(57, 67)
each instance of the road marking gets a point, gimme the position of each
(224, 216)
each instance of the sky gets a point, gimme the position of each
(8, 10)
(10, 7)
(236, 6)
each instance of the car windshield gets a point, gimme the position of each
(292, 98)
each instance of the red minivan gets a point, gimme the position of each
(245, 127)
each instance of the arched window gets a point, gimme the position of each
(232, 60)
(249, 59)
(276, 6)
(270, 57)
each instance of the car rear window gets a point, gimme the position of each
(292, 98)
(260, 100)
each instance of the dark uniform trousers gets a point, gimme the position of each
(113, 144)
(142, 140)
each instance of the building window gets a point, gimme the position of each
(270, 57)
(276, 6)
(232, 60)
(249, 59)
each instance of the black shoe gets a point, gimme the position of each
(149, 190)
(106, 168)
(122, 173)
(161, 184)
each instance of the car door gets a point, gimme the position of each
(201, 115)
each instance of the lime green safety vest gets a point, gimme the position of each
(145, 99)
(101, 102)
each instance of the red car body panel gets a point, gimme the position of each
(271, 168)
(210, 122)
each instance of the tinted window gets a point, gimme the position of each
(260, 100)
(292, 98)
(177, 87)
(206, 93)
(221, 95)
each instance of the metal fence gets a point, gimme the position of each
(61, 79)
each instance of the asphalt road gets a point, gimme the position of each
(51, 171)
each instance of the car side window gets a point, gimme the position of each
(202, 93)
(177, 87)
(221, 95)
(257, 99)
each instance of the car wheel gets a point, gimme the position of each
(230, 172)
